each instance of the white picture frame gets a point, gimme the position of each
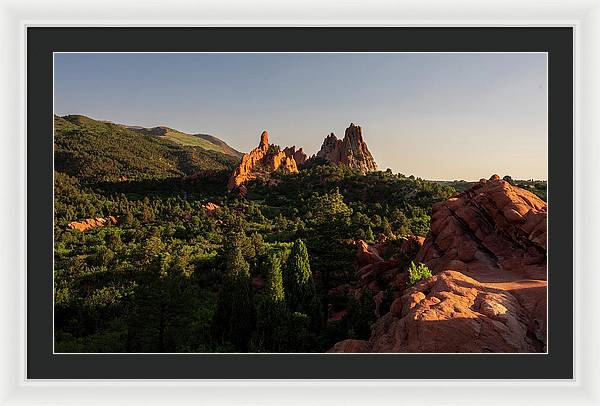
(16, 15)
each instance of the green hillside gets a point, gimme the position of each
(93, 150)
(205, 141)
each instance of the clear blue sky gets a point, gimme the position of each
(436, 116)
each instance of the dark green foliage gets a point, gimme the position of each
(161, 309)
(234, 317)
(272, 314)
(361, 314)
(301, 337)
(369, 237)
(356, 324)
(98, 151)
(508, 179)
(273, 149)
(274, 286)
(298, 280)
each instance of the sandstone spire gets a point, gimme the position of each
(260, 162)
(352, 151)
(264, 141)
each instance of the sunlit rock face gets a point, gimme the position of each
(351, 151)
(88, 224)
(260, 163)
(488, 291)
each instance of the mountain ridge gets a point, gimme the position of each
(101, 151)
(206, 141)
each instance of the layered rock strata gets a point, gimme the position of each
(488, 292)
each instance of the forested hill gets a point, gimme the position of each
(93, 151)
(204, 141)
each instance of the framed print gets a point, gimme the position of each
(170, 241)
(378, 204)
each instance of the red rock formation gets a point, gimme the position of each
(493, 225)
(210, 207)
(87, 224)
(259, 163)
(366, 255)
(281, 160)
(487, 250)
(298, 154)
(451, 312)
(351, 151)
(244, 171)
(378, 274)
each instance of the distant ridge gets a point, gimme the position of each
(102, 151)
(206, 141)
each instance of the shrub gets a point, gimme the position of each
(417, 272)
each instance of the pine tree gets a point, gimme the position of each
(387, 228)
(331, 225)
(297, 280)
(271, 325)
(361, 315)
(274, 285)
(299, 286)
(161, 309)
(369, 237)
(234, 317)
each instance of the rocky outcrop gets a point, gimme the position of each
(87, 224)
(452, 312)
(375, 273)
(211, 207)
(281, 161)
(298, 154)
(261, 161)
(487, 252)
(366, 255)
(378, 274)
(492, 226)
(352, 151)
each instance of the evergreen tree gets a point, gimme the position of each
(274, 284)
(298, 282)
(331, 227)
(161, 309)
(369, 237)
(387, 228)
(271, 325)
(299, 286)
(361, 313)
(234, 317)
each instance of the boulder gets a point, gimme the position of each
(87, 224)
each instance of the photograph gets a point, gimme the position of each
(300, 202)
